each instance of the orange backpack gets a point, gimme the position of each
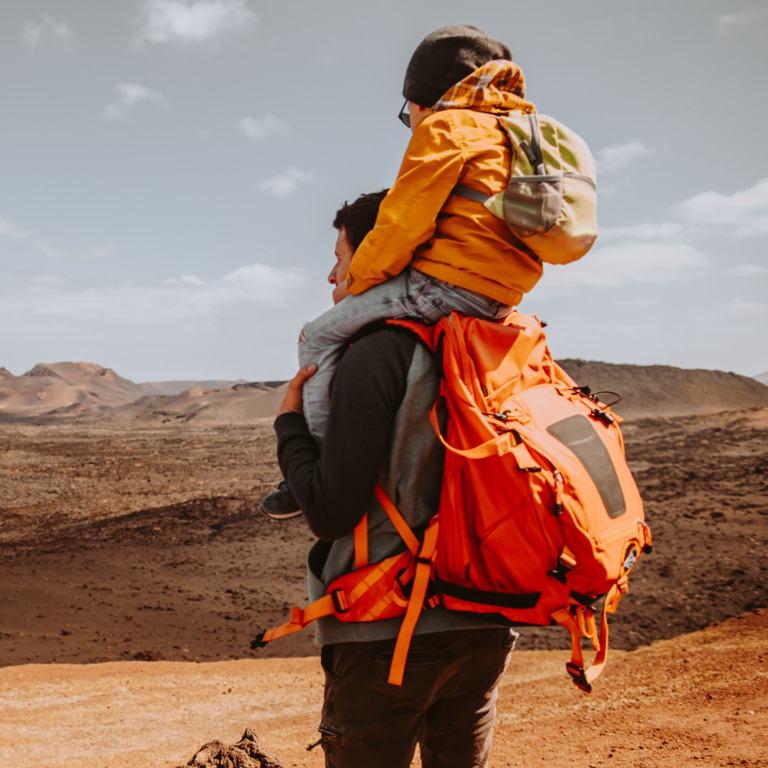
(539, 515)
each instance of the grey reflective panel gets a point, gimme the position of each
(578, 433)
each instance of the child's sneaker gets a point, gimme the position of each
(280, 504)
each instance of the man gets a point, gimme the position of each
(379, 433)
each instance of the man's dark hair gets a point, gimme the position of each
(358, 217)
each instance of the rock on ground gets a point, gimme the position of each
(247, 753)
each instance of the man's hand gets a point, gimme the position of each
(340, 292)
(292, 400)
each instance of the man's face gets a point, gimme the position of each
(343, 253)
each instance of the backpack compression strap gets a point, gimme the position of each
(582, 623)
(506, 442)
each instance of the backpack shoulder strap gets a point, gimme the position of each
(532, 151)
(426, 332)
(460, 190)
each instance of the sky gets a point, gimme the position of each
(171, 169)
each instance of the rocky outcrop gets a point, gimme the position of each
(247, 753)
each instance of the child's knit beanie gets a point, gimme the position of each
(446, 56)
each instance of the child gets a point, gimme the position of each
(432, 252)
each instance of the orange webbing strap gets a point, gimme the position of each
(361, 543)
(300, 618)
(647, 538)
(361, 530)
(415, 604)
(583, 678)
(587, 626)
(613, 597)
(406, 534)
(492, 447)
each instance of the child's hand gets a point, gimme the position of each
(340, 292)
(292, 400)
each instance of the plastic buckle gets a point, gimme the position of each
(579, 677)
(604, 416)
(258, 641)
(340, 602)
(561, 572)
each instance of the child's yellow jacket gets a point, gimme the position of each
(421, 224)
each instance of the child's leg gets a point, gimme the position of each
(432, 299)
(323, 339)
(410, 294)
(321, 342)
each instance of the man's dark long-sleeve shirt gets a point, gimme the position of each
(334, 486)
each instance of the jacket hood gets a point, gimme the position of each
(496, 87)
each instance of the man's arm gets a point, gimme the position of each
(334, 485)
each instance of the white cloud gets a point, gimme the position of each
(670, 252)
(742, 214)
(626, 264)
(662, 231)
(263, 283)
(129, 96)
(9, 229)
(51, 295)
(744, 19)
(261, 127)
(243, 324)
(619, 156)
(749, 270)
(739, 215)
(97, 252)
(46, 29)
(185, 280)
(284, 184)
(193, 21)
(739, 306)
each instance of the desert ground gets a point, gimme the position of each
(135, 569)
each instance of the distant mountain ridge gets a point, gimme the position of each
(56, 391)
(177, 387)
(57, 388)
(663, 390)
(52, 392)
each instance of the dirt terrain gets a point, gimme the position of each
(135, 542)
(696, 701)
(145, 543)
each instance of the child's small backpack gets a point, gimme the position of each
(550, 201)
(539, 515)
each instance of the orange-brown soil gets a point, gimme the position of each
(125, 544)
(696, 701)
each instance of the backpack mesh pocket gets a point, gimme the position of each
(532, 204)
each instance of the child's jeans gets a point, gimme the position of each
(409, 294)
